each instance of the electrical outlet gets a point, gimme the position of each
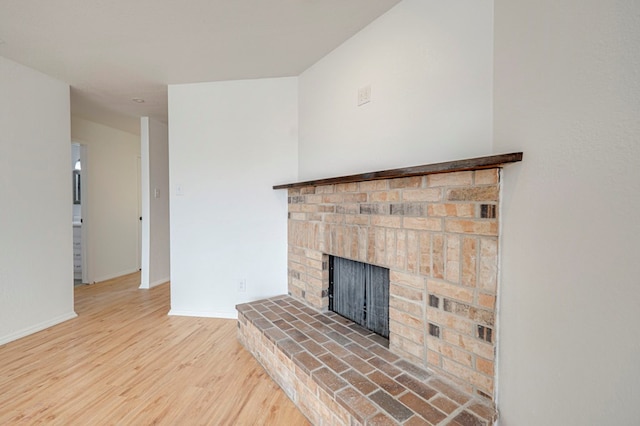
(242, 286)
(364, 95)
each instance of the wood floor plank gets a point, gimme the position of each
(123, 360)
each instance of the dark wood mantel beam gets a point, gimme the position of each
(477, 163)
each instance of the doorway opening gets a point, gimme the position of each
(79, 194)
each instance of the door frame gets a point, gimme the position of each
(84, 214)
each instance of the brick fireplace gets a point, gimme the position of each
(436, 228)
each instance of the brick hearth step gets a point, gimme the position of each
(339, 373)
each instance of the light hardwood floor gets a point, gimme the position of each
(124, 361)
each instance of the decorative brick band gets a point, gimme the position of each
(438, 235)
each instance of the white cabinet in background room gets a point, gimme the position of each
(77, 252)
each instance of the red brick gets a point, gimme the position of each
(359, 382)
(409, 280)
(357, 404)
(487, 177)
(450, 179)
(487, 300)
(473, 193)
(325, 189)
(413, 255)
(485, 366)
(381, 419)
(375, 197)
(374, 185)
(346, 187)
(476, 227)
(406, 292)
(445, 289)
(422, 407)
(484, 411)
(452, 267)
(445, 404)
(422, 223)
(425, 195)
(425, 253)
(409, 182)
(415, 309)
(386, 221)
(451, 210)
(438, 256)
(404, 318)
(469, 261)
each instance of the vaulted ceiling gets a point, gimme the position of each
(113, 51)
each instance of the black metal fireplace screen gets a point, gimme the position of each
(360, 291)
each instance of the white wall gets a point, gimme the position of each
(429, 64)
(110, 215)
(36, 260)
(567, 93)
(154, 143)
(229, 143)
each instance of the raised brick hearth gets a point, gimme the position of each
(338, 373)
(435, 228)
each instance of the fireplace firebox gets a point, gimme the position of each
(360, 292)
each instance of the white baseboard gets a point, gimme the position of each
(116, 275)
(204, 314)
(37, 327)
(155, 283)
